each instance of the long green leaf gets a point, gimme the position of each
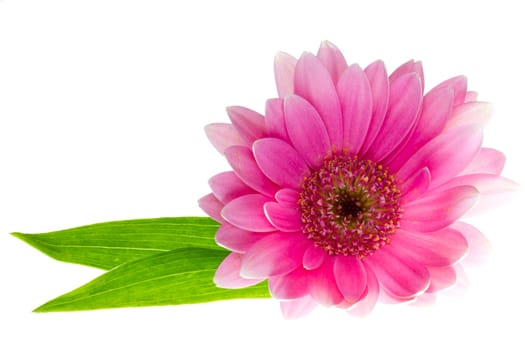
(182, 276)
(107, 245)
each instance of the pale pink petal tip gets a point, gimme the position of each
(222, 136)
(284, 68)
(211, 206)
(480, 248)
(228, 274)
(294, 309)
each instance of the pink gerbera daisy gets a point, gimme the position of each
(350, 186)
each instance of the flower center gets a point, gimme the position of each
(349, 206)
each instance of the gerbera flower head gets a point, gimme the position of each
(349, 188)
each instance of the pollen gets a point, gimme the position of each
(350, 206)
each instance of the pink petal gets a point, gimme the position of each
(283, 218)
(494, 190)
(235, 239)
(350, 276)
(486, 184)
(479, 246)
(275, 119)
(287, 197)
(471, 96)
(462, 283)
(441, 248)
(227, 186)
(415, 186)
(356, 104)
(275, 254)
(293, 309)
(477, 113)
(403, 111)
(243, 163)
(280, 162)
(222, 136)
(228, 274)
(247, 213)
(458, 85)
(293, 285)
(313, 257)
(487, 161)
(367, 304)
(211, 206)
(437, 210)
(399, 275)
(435, 111)
(425, 299)
(313, 82)
(441, 278)
(446, 155)
(284, 68)
(333, 60)
(306, 130)
(322, 284)
(250, 124)
(379, 85)
(409, 67)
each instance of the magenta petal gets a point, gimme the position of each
(441, 278)
(243, 163)
(284, 68)
(293, 285)
(227, 186)
(479, 246)
(350, 276)
(280, 162)
(275, 125)
(306, 130)
(458, 85)
(409, 67)
(399, 275)
(287, 197)
(440, 248)
(403, 111)
(275, 254)
(477, 113)
(293, 309)
(487, 161)
(356, 104)
(435, 111)
(228, 274)
(222, 136)
(250, 124)
(247, 213)
(437, 210)
(313, 82)
(235, 239)
(313, 257)
(446, 155)
(283, 218)
(211, 206)
(380, 87)
(332, 59)
(369, 301)
(323, 286)
(415, 186)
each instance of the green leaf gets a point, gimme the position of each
(182, 276)
(107, 245)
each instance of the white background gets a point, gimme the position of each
(102, 108)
